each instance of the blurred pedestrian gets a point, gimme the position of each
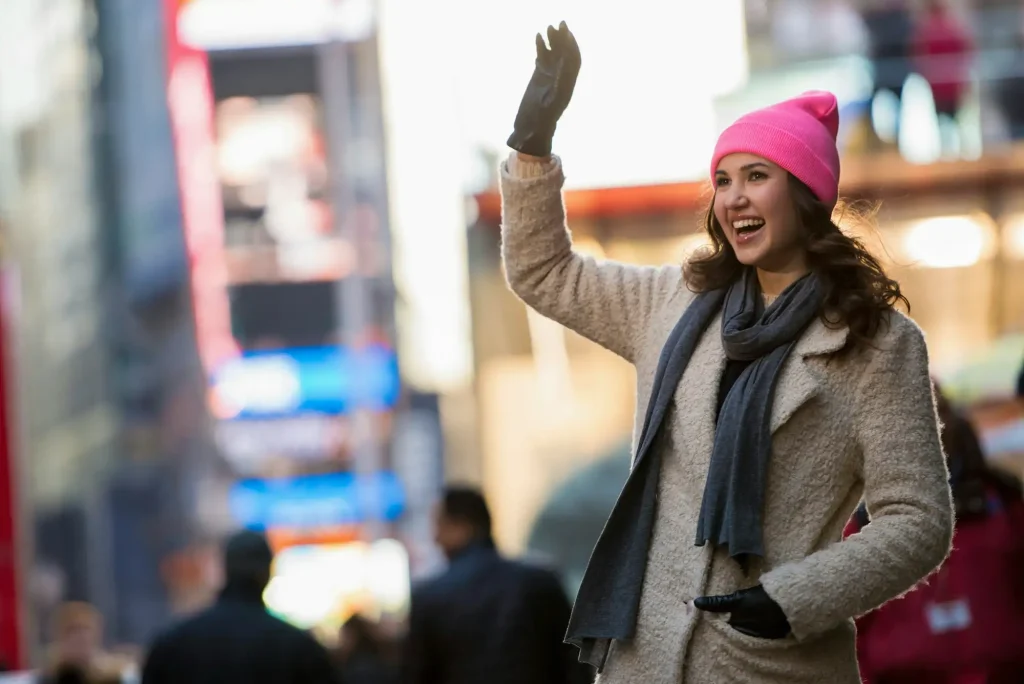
(362, 656)
(966, 624)
(943, 55)
(487, 618)
(778, 385)
(76, 656)
(236, 640)
(890, 28)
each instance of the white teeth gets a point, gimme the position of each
(748, 223)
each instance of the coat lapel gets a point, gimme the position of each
(697, 395)
(798, 382)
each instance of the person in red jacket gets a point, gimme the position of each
(942, 53)
(965, 624)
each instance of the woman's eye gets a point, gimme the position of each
(757, 175)
(721, 181)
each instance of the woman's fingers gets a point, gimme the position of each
(717, 604)
(542, 49)
(572, 49)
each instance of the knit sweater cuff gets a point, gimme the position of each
(522, 169)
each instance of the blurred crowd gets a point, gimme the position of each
(485, 618)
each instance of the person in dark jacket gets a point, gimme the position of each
(361, 655)
(890, 27)
(236, 640)
(486, 619)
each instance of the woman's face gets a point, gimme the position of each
(754, 206)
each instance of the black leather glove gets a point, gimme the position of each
(548, 92)
(751, 612)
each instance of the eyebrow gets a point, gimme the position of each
(745, 167)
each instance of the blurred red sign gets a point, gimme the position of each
(190, 99)
(11, 646)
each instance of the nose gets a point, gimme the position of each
(735, 198)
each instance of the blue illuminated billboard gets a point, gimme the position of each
(321, 380)
(316, 500)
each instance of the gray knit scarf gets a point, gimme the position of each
(730, 515)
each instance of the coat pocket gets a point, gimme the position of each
(721, 625)
(751, 660)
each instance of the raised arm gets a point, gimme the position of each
(607, 302)
(906, 491)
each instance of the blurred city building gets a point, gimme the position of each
(103, 382)
(199, 316)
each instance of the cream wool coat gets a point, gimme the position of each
(859, 425)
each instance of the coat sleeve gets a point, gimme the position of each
(906, 491)
(607, 302)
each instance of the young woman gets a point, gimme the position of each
(777, 387)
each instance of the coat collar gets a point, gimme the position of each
(477, 548)
(798, 382)
(820, 339)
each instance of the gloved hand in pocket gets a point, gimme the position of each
(751, 612)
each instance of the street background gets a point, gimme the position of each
(250, 273)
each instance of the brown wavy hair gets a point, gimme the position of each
(858, 293)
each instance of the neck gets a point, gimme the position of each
(472, 545)
(774, 282)
(244, 591)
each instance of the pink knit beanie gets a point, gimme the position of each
(799, 135)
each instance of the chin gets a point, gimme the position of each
(750, 257)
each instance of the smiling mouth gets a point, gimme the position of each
(747, 228)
